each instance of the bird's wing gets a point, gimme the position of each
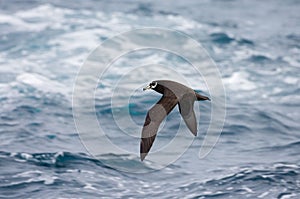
(186, 109)
(153, 119)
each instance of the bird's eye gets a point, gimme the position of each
(153, 84)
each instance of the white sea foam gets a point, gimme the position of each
(263, 195)
(288, 195)
(26, 156)
(36, 19)
(89, 186)
(291, 80)
(19, 23)
(246, 53)
(28, 173)
(292, 61)
(239, 81)
(41, 83)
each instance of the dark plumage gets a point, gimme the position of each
(173, 93)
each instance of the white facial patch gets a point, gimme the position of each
(153, 85)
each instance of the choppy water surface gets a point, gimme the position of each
(254, 43)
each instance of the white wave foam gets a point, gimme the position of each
(243, 54)
(89, 186)
(239, 81)
(41, 83)
(263, 195)
(36, 19)
(291, 80)
(19, 24)
(28, 173)
(291, 61)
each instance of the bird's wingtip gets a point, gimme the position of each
(194, 132)
(142, 156)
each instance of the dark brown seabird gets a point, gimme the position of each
(173, 93)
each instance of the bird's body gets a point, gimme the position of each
(173, 93)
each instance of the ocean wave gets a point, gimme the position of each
(280, 179)
(244, 183)
(43, 47)
(71, 160)
(221, 38)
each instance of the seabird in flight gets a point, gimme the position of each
(173, 93)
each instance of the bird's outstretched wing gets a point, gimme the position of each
(153, 119)
(186, 109)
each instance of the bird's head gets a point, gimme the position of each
(156, 86)
(152, 85)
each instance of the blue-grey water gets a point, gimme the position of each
(256, 45)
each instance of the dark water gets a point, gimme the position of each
(256, 47)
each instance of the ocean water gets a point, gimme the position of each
(256, 46)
